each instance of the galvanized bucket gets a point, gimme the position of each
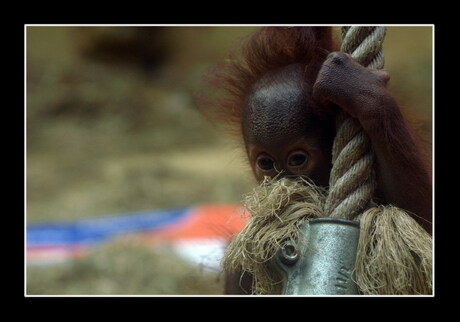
(324, 259)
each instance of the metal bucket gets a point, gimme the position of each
(324, 261)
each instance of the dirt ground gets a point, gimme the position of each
(112, 128)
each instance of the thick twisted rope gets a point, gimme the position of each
(352, 182)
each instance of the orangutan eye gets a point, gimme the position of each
(297, 158)
(265, 163)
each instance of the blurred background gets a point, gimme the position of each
(112, 128)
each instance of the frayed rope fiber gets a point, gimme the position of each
(276, 210)
(394, 253)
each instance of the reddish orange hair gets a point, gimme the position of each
(267, 49)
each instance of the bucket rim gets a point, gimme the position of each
(339, 221)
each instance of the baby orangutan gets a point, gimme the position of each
(283, 95)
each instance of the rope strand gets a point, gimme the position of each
(352, 182)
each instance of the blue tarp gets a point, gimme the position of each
(90, 231)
